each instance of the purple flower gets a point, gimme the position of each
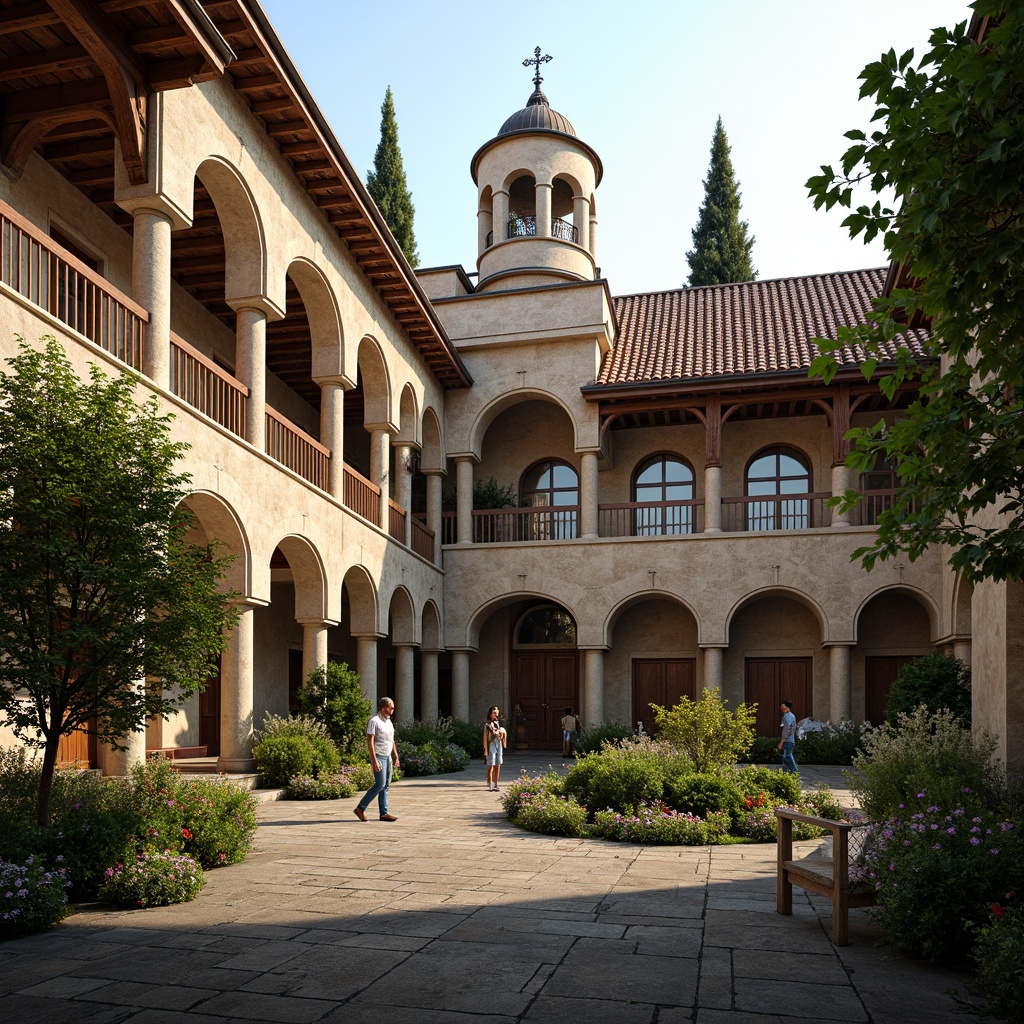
(975, 841)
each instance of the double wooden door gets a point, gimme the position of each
(661, 681)
(544, 684)
(879, 674)
(770, 681)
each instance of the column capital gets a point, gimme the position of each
(322, 623)
(159, 205)
(261, 303)
(343, 382)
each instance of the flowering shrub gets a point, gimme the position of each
(757, 820)
(551, 813)
(753, 780)
(154, 879)
(327, 787)
(822, 802)
(417, 761)
(525, 787)
(624, 775)
(698, 793)
(451, 757)
(594, 739)
(657, 824)
(999, 957)
(32, 899)
(937, 872)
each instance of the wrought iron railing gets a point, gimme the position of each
(50, 277)
(201, 383)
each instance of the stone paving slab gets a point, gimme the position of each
(451, 915)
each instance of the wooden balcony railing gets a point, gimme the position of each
(361, 496)
(549, 522)
(396, 521)
(205, 386)
(422, 539)
(294, 448)
(776, 512)
(650, 518)
(449, 527)
(56, 281)
(873, 504)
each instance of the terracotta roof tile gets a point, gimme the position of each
(752, 327)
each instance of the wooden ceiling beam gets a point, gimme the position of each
(299, 148)
(292, 127)
(273, 105)
(27, 17)
(44, 62)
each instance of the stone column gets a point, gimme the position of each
(151, 289)
(428, 684)
(236, 697)
(366, 666)
(464, 498)
(121, 762)
(839, 686)
(842, 480)
(380, 451)
(403, 487)
(435, 512)
(588, 494)
(314, 646)
(962, 650)
(251, 366)
(332, 434)
(542, 194)
(405, 687)
(499, 224)
(593, 234)
(484, 227)
(712, 499)
(593, 687)
(714, 664)
(581, 221)
(460, 685)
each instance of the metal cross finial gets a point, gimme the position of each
(536, 61)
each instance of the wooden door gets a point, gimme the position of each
(661, 681)
(544, 684)
(295, 679)
(770, 681)
(77, 748)
(209, 715)
(879, 675)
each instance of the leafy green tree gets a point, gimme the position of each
(939, 682)
(706, 730)
(99, 585)
(948, 150)
(332, 695)
(721, 248)
(386, 183)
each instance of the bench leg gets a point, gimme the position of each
(784, 852)
(840, 919)
(784, 894)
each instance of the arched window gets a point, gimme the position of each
(775, 473)
(555, 486)
(547, 625)
(879, 487)
(662, 483)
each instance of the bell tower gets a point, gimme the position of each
(536, 213)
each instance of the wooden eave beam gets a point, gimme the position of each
(44, 62)
(27, 17)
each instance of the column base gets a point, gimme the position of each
(236, 765)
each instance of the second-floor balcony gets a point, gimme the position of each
(526, 227)
(55, 281)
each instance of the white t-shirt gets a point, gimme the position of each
(383, 732)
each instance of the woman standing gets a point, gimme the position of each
(494, 746)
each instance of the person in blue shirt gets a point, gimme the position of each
(788, 740)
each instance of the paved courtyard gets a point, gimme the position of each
(451, 914)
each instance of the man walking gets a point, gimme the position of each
(788, 740)
(380, 738)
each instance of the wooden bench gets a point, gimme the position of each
(826, 877)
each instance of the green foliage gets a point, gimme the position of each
(706, 731)
(427, 730)
(325, 787)
(491, 494)
(278, 758)
(721, 248)
(943, 161)
(763, 750)
(98, 583)
(938, 871)
(931, 754)
(594, 738)
(661, 826)
(332, 695)
(775, 783)
(758, 821)
(937, 681)
(387, 186)
(417, 760)
(32, 897)
(539, 804)
(999, 959)
(468, 736)
(698, 793)
(621, 777)
(153, 879)
(823, 803)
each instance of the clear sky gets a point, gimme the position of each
(642, 83)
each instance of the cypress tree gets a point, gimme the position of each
(721, 248)
(386, 183)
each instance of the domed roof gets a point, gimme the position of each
(537, 115)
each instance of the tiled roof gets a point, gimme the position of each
(753, 327)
